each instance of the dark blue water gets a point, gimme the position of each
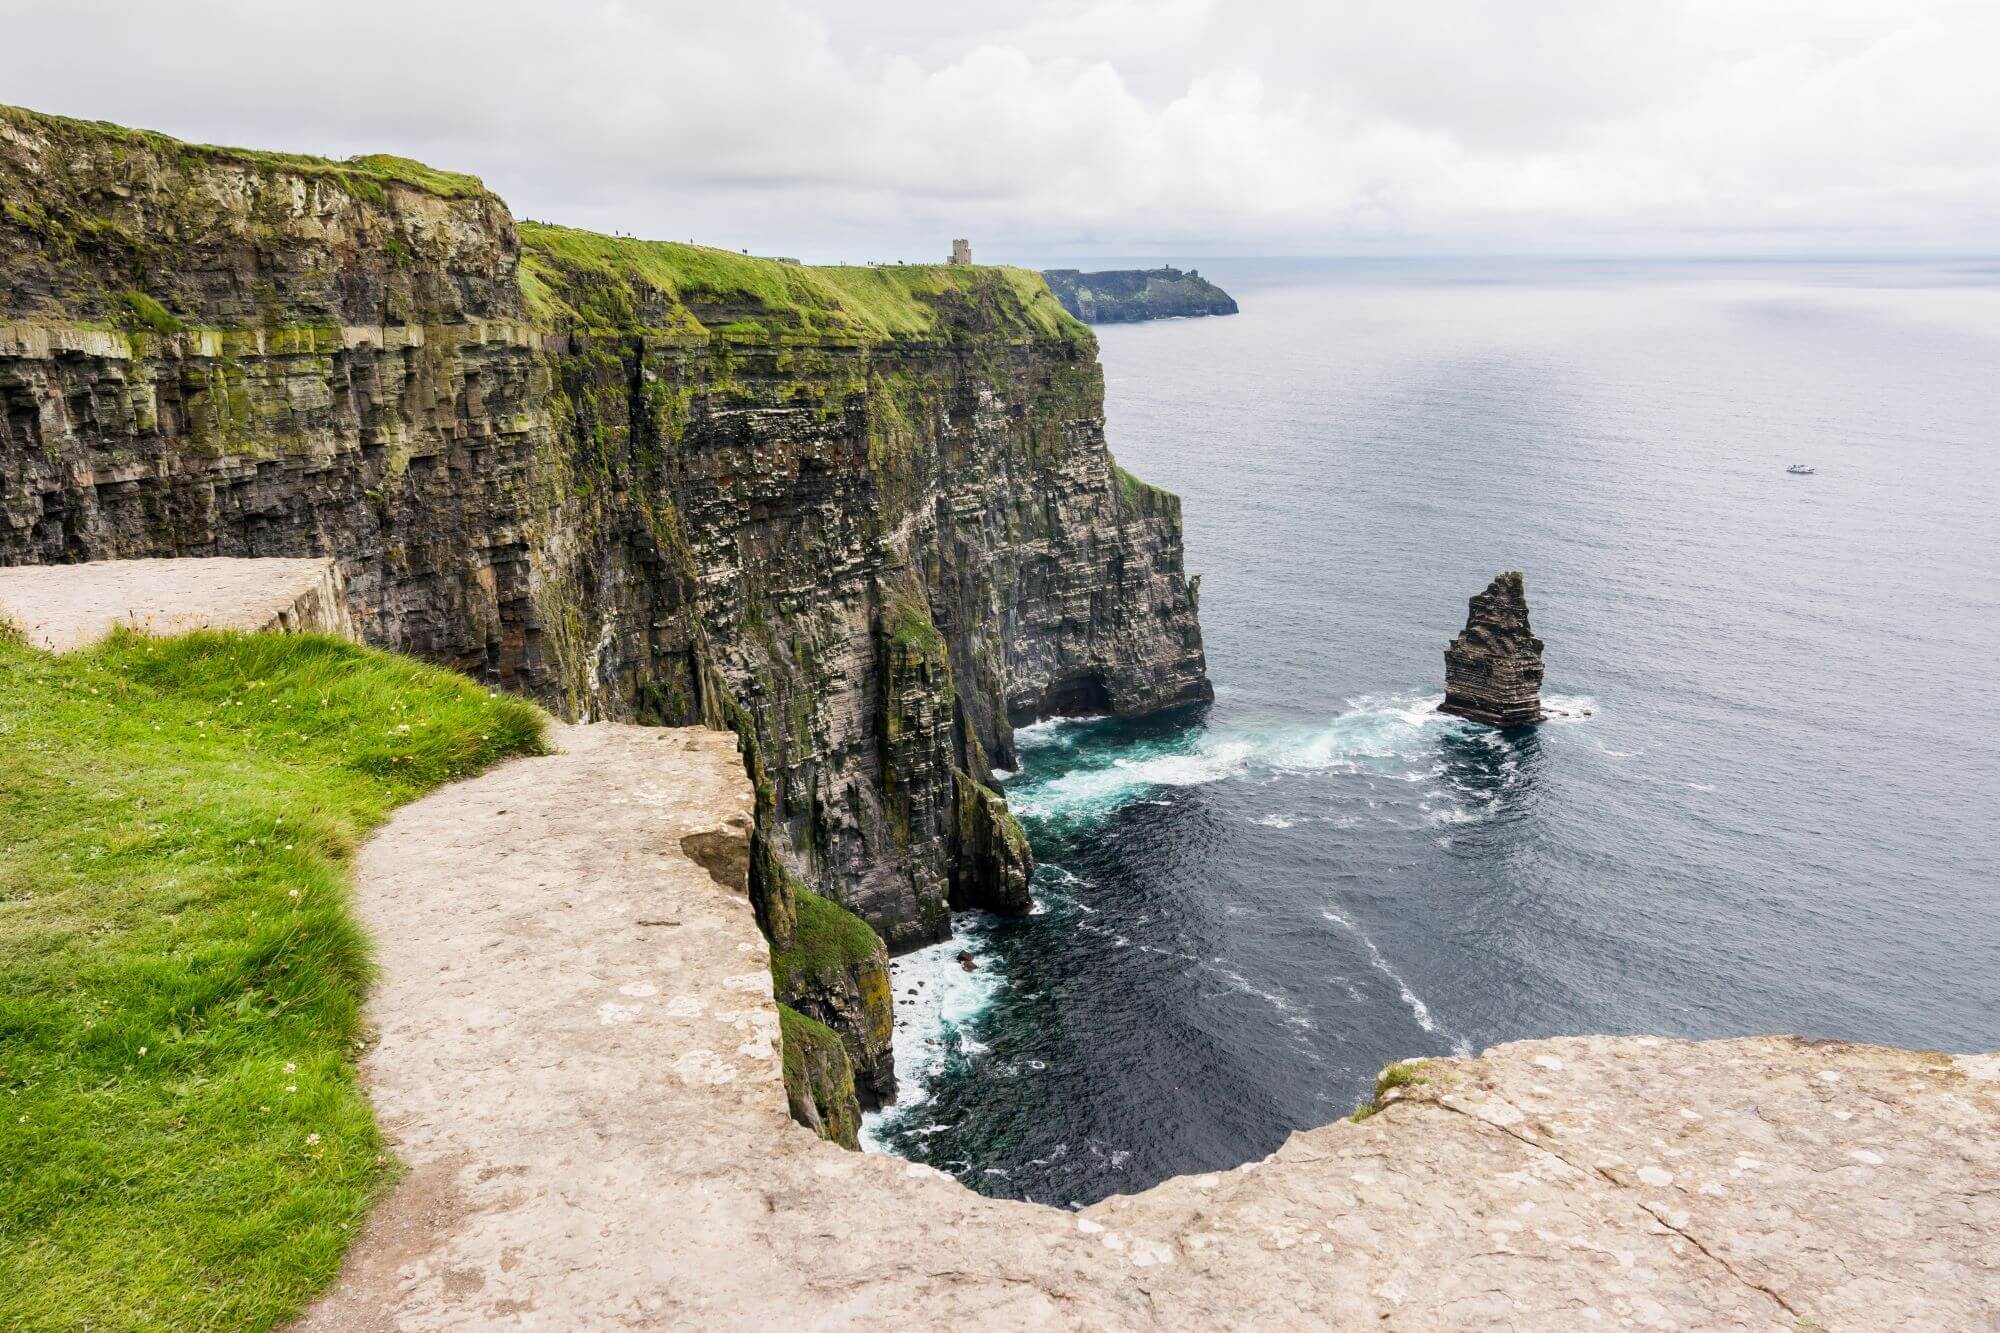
(1775, 805)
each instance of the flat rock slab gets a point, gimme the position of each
(64, 607)
(577, 1061)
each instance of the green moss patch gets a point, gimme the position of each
(1141, 495)
(147, 313)
(829, 938)
(182, 1140)
(907, 620)
(819, 1079)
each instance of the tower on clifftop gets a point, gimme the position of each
(961, 251)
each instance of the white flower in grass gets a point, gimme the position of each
(312, 1140)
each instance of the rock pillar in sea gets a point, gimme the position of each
(1493, 669)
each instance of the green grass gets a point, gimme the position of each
(364, 177)
(182, 1141)
(1399, 1075)
(830, 938)
(617, 283)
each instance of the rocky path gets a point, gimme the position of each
(577, 1062)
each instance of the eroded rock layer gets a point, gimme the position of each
(1493, 669)
(864, 516)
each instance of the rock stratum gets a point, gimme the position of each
(579, 1063)
(1493, 669)
(1122, 296)
(862, 516)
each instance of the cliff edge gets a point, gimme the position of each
(579, 1062)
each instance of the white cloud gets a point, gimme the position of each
(851, 129)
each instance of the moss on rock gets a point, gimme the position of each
(837, 972)
(819, 1079)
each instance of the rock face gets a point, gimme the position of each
(1493, 669)
(1119, 296)
(636, 1167)
(864, 517)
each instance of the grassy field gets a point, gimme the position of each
(602, 282)
(183, 1144)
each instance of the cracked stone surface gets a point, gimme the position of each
(64, 607)
(577, 1062)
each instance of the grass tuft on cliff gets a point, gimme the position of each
(182, 1140)
(618, 284)
(1399, 1075)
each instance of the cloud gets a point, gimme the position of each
(844, 129)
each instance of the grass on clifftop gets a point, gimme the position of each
(182, 1141)
(361, 176)
(618, 283)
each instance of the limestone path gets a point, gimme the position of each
(64, 607)
(577, 1061)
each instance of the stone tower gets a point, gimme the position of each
(1493, 670)
(961, 251)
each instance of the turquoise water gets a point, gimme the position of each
(1767, 804)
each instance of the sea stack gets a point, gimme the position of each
(1493, 670)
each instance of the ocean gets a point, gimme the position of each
(1771, 803)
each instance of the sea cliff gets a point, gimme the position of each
(1122, 296)
(865, 517)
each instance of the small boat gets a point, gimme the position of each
(1799, 470)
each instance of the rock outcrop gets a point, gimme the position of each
(1121, 296)
(614, 1151)
(1493, 669)
(863, 516)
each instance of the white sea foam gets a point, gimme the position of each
(1413, 1001)
(1567, 708)
(1272, 821)
(1372, 732)
(931, 1024)
(1236, 981)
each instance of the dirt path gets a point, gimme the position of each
(577, 1061)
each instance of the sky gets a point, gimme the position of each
(850, 130)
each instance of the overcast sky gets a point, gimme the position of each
(878, 129)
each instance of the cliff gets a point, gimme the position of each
(863, 515)
(1493, 669)
(1119, 296)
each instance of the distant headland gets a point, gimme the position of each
(1123, 295)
